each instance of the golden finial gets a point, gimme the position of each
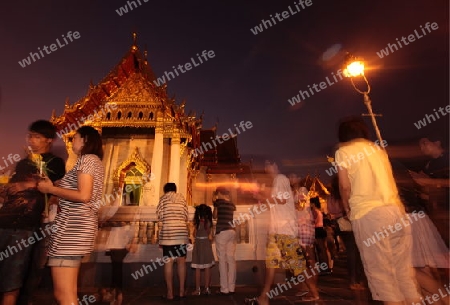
(66, 103)
(53, 115)
(134, 41)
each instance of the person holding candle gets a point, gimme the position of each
(21, 216)
(80, 192)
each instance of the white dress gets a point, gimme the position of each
(428, 247)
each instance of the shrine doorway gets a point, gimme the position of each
(132, 186)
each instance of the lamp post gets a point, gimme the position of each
(355, 68)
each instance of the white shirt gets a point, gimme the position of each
(283, 216)
(370, 175)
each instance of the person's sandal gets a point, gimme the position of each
(207, 291)
(197, 292)
(251, 301)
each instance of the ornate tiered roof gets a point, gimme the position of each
(128, 97)
(130, 100)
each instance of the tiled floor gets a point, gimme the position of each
(333, 290)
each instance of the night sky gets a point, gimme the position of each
(251, 76)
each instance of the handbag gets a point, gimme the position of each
(344, 224)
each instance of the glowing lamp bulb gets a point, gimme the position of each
(356, 68)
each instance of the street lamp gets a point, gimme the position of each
(354, 68)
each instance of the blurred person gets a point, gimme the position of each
(371, 202)
(120, 242)
(320, 236)
(79, 192)
(335, 211)
(429, 251)
(434, 180)
(438, 166)
(283, 248)
(172, 212)
(330, 241)
(355, 269)
(306, 235)
(435, 174)
(202, 254)
(294, 181)
(306, 227)
(225, 240)
(329, 226)
(22, 214)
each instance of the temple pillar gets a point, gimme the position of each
(157, 161)
(183, 189)
(175, 160)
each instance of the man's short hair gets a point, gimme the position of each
(44, 128)
(351, 128)
(270, 162)
(433, 139)
(223, 191)
(170, 187)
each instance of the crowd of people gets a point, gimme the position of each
(174, 238)
(376, 213)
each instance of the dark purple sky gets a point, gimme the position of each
(250, 78)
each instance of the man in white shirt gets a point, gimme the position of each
(371, 202)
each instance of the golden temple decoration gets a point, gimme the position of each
(53, 115)
(136, 160)
(183, 147)
(135, 90)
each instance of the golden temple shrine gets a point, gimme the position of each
(147, 136)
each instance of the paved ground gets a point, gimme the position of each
(333, 290)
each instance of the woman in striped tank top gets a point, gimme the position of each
(79, 193)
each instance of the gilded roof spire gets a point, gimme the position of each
(134, 47)
(145, 55)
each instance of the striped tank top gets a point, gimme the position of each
(77, 222)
